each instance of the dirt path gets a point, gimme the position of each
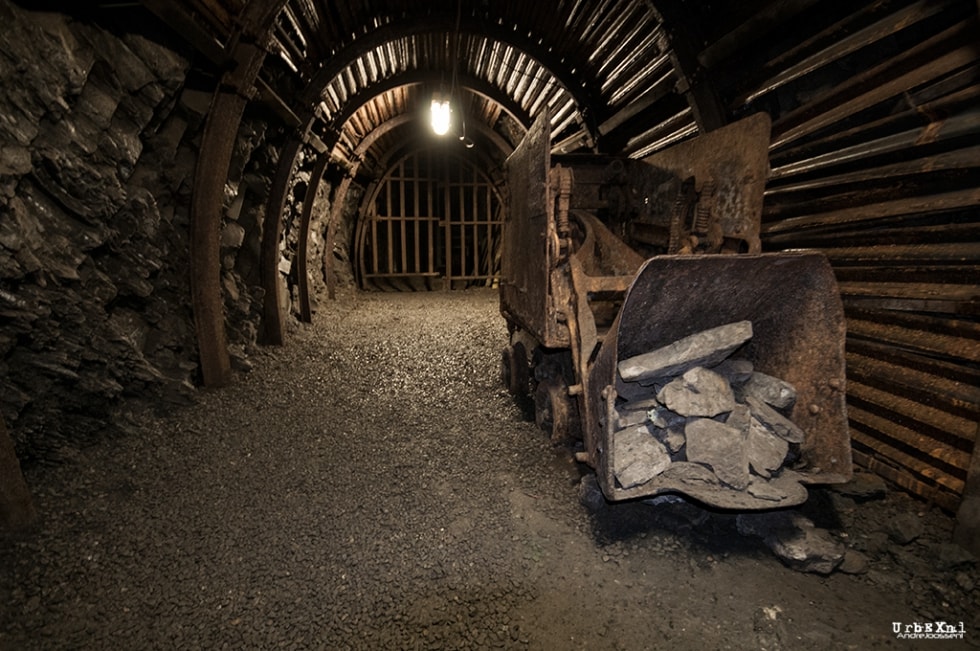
(371, 486)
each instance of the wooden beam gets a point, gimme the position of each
(214, 160)
(694, 80)
(302, 252)
(272, 326)
(16, 507)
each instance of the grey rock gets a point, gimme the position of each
(645, 403)
(638, 457)
(766, 451)
(904, 528)
(705, 348)
(589, 493)
(699, 392)
(739, 417)
(721, 447)
(765, 491)
(794, 540)
(775, 392)
(14, 160)
(736, 371)
(950, 556)
(854, 563)
(232, 235)
(664, 418)
(862, 487)
(672, 437)
(774, 421)
(693, 473)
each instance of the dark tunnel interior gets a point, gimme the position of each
(192, 191)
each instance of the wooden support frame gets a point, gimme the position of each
(272, 321)
(217, 145)
(694, 81)
(220, 132)
(302, 251)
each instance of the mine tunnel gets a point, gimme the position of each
(290, 288)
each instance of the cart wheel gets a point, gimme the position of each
(514, 370)
(552, 410)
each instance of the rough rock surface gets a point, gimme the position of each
(98, 148)
(639, 456)
(775, 392)
(795, 540)
(313, 505)
(720, 446)
(699, 392)
(774, 421)
(705, 348)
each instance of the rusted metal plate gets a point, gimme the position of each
(733, 162)
(798, 335)
(527, 282)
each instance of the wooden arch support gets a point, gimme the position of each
(693, 78)
(302, 251)
(217, 145)
(272, 321)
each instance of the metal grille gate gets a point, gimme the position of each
(433, 221)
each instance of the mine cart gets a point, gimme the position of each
(647, 326)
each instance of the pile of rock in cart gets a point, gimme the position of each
(693, 402)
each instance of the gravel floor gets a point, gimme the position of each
(370, 486)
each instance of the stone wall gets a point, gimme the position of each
(98, 143)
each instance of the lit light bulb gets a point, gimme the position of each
(440, 117)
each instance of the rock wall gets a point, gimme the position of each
(98, 143)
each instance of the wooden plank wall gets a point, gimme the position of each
(875, 160)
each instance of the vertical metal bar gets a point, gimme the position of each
(447, 230)
(488, 249)
(389, 244)
(374, 242)
(402, 215)
(429, 197)
(461, 197)
(476, 223)
(418, 217)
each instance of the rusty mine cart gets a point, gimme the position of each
(609, 262)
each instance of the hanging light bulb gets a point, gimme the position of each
(440, 116)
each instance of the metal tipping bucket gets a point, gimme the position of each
(792, 301)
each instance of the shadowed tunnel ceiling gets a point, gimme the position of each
(598, 66)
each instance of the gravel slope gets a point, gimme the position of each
(370, 486)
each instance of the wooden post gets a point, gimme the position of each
(16, 508)
(967, 532)
(273, 332)
(302, 251)
(217, 145)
